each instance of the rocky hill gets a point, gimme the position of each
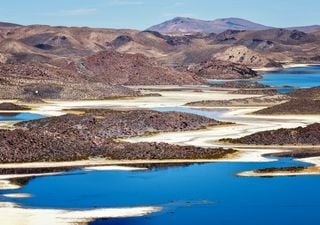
(133, 69)
(309, 135)
(294, 107)
(309, 93)
(79, 137)
(242, 55)
(190, 25)
(304, 101)
(217, 69)
(90, 55)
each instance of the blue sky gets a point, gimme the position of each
(140, 14)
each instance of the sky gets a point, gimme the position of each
(141, 14)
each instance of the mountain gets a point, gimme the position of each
(4, 24)
(131, 69)
(307, 29)
(190, 25)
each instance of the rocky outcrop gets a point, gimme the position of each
(217, 69)
(310, 93)
(110, 124)
(38, 90)
(303, 101)
(309, 135)
(254, 101)
(243, 84)
(134, 69)
(243, 55)
(299, 153)
(78, 137)
(190, 25)
(294, 106)
(7, 106)
(38, 72)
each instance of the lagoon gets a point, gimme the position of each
(200, 193)
(302, 77)
(19, 116)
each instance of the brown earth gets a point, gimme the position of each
(217, 69)
(11, 106)
(77, 137)
(303, 101)
(38, 90)
(294, 106)
(309, 135)
(275, 170)
(243, 84)
(254, 101)
(310, 93)
(133, 69)
(300, 153)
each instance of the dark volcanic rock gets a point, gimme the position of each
(310, 93)
(77, 137)
(216, 69)
(121, 40)
(309, 135)
(240, 84)
(295, 106)
(110, 124)
(300, 153)
(253, 101)
(292, 169)
(11, 106)
(43, 91)
(134, 69)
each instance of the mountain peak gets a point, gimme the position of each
(189, 25)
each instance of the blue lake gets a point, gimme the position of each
(19, 116)
(203, 194)
(304, 77)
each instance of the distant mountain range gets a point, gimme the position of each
(4, 24)
(190, 25)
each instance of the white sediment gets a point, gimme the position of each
(284, 66)
(17, 195)
(114, 168)
(167, 99)
(12, 214)
(313, 170)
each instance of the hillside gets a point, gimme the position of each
(132, 69)
(309, 135)
(190, 25)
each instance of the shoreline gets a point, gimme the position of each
(308, 171)
(12, 214)
(284, 66)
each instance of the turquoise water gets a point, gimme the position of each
(304, 77)
(19, 116)
(287, 80)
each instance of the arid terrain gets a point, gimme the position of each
(92, 134)
(183, 91)
(90, 63)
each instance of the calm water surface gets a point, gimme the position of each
(303, 77)
(283, 80)
(19, 116)
(205, 194)
(196, 194)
